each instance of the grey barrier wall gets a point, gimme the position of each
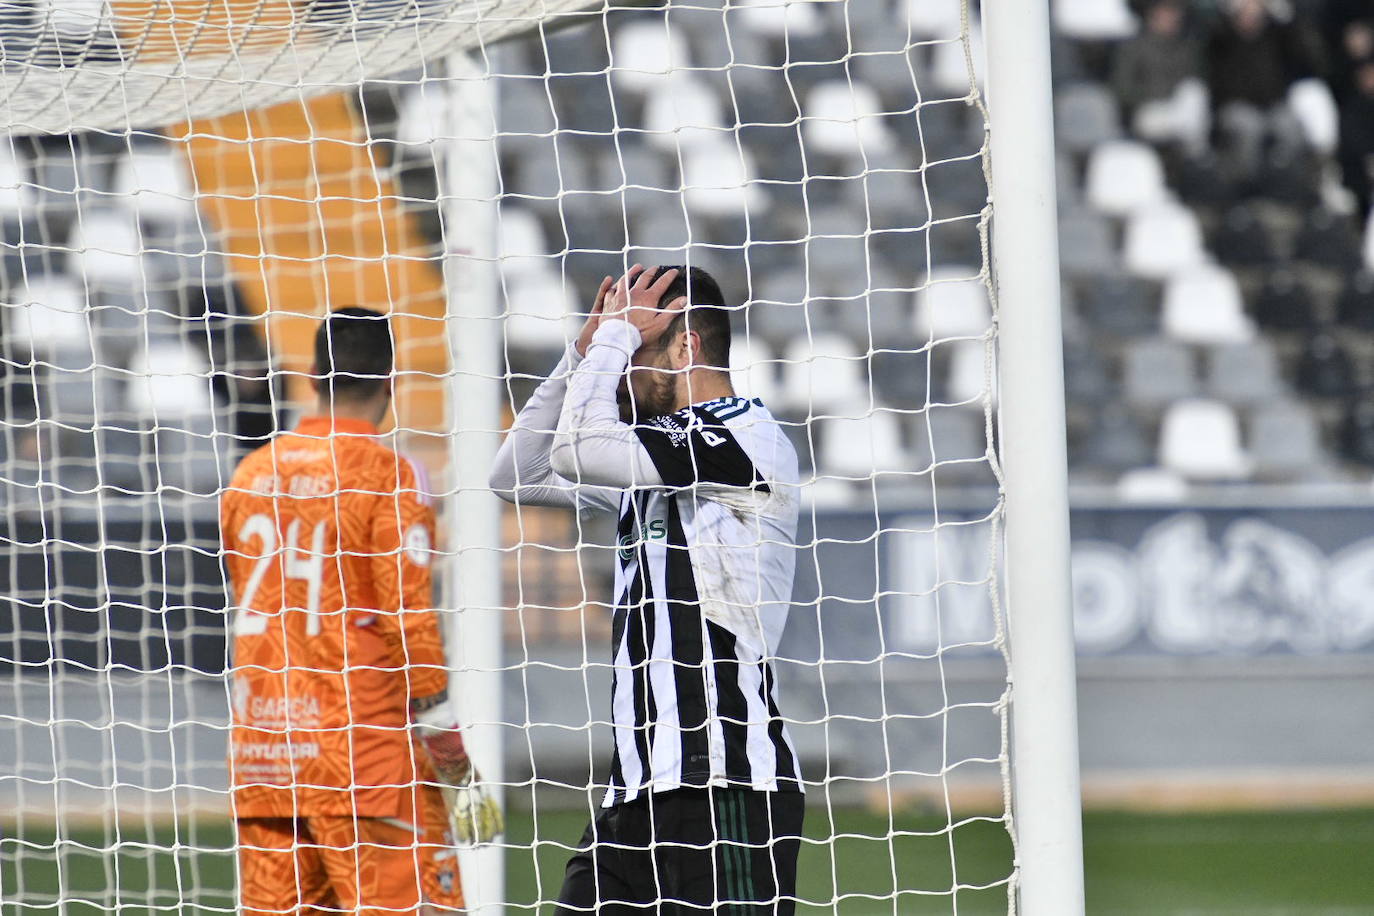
(1211, 640)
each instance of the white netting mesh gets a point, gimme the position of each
(825, 161)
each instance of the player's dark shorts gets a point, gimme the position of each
(689, 851)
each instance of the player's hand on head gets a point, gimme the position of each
(636, 299)
(584, 339)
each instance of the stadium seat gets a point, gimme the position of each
(1315, 108)
(14, 184)
(1244, 373)
(950, 434)
(1086, 245)
(1153, 485)
(1357, 431)
(690, 114)
(1200, 440)
(1123, 177)
(952, 302)
(105, 249)
(1289, 178)
(861, 446)
(967, 381)
(842, 118)
(1203, 305)
(169, 383)
(1242, 240)
(1094, 20)
(1086, 379)
(48, 316)
(753, 369)
(716, 181)
(1203, 180)
(1355, 306)
(1121, 304)
(1285, 439)
(1162, 241)
(642, 52)
(776, 18)
(523, 245)
(1284, 303)
(1184, 118)
(1157, 371)
(1116, 441)
(902, 378)
(826, 372)
(1325, 369)
(539, 307)
(1329, 240)
(949, 71)
(932, 18)
(1085, 115)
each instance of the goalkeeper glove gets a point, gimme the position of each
(473, 812)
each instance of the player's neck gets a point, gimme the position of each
(342, 409)
(703, 385)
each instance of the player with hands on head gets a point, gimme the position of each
(704, 799)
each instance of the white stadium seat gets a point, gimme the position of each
(715, 180)
(825, 372)
(168, 382)
(781, 17)
(753, 369)
(689, 114)
(1204, 305)
(952, 302)
(158, 182)
(1200, 440)
(1316, 110)
(1162, 241)
(842, 118)
(524, 247)
(1125, 176)
(860, 446)
(643, 52)
(1094, 20)
(540, 311)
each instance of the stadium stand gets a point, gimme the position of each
(1215, 272)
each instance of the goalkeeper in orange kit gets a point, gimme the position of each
(350, 779)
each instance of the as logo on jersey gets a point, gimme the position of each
(656, 530)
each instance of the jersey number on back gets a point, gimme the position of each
(309, 568)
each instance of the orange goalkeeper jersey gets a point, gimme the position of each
(328, 542)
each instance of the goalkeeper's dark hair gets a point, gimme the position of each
(706, 313)
(354, 354)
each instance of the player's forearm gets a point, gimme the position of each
(592, 445)
(522, 472)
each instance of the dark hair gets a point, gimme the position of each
(706, 312)
(353, 352)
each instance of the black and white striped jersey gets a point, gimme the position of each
(708, 502)
(702, 589)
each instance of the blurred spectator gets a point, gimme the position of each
(1347, 30)
(1357, 138)
(1150, 66)
(1253, 58)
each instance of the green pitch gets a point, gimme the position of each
(1263, 863)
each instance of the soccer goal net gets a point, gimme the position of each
(186, 186)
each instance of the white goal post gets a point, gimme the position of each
(187, 185)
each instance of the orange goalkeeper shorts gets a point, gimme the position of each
(368, 865)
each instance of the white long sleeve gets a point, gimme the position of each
(593, 445)
(522, 473)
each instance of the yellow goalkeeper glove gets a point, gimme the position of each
(474, 813)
